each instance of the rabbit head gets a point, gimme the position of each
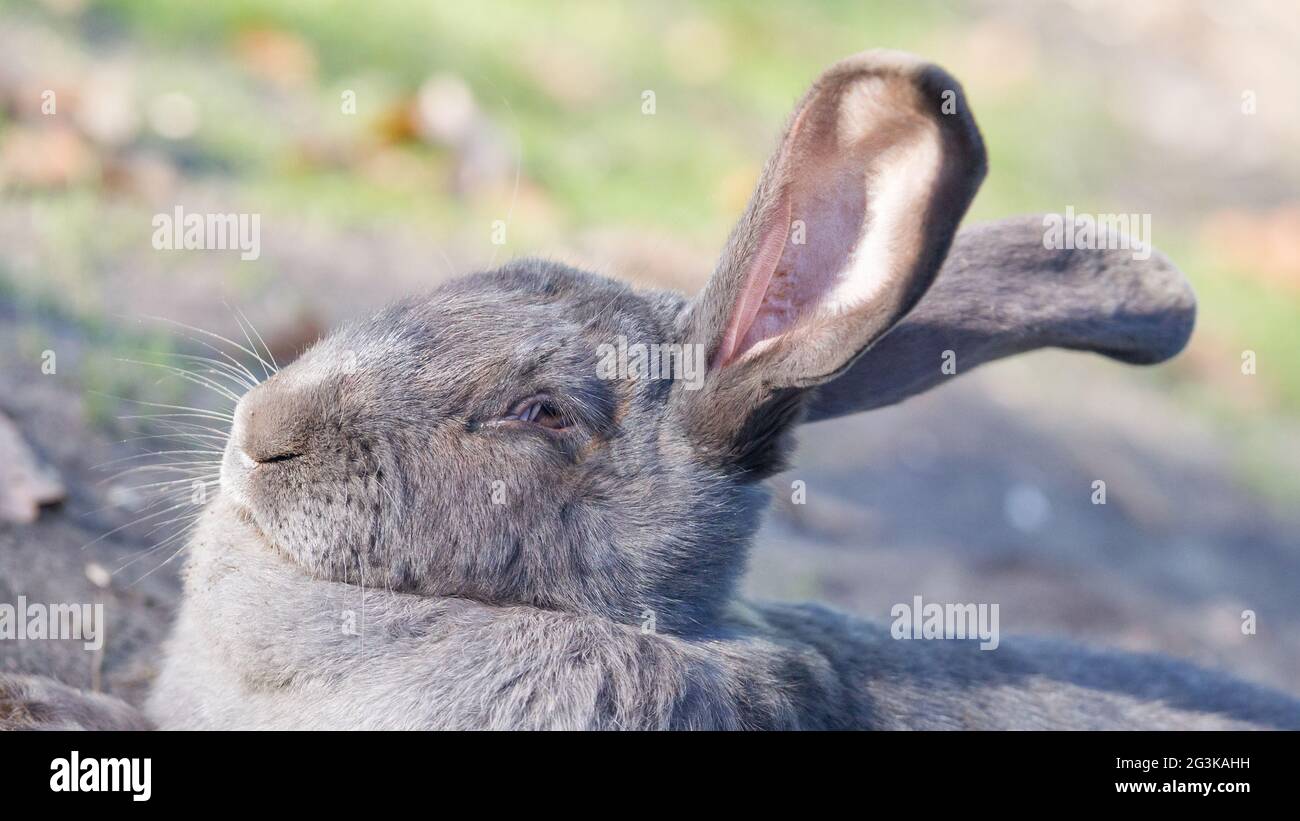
(472, 442)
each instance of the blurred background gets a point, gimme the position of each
(386, 145)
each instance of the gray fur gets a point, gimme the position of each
(35, 703)
(357, 570)
(1136, 311)
(258, 644)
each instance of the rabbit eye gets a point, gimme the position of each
(538, 410)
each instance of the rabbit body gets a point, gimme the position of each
(259, 644)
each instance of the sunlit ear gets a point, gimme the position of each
(1000, 293)
(851, 219)
(849, 223)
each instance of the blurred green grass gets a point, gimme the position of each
(564, 83)
(600, 160)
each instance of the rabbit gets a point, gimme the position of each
(35, 702)
(446, 517)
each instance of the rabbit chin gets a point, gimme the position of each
(237, 497)
(233, 476)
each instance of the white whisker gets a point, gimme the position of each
(153, 453)
(229, 342)
(137, 521)
(153, 549)
(188, 376)
(267, 367)
(190, 469)
(199, 412)
(275, 366)
(219, 368)
(211, 478)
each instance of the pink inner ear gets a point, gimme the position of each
(785, 282)
(751, 299)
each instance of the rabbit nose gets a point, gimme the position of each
(270, 425)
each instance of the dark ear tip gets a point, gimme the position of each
(939, 90)
(1140, 311)
(1171, 312)
(1155, 317)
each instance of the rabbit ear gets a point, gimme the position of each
(849, 223)
(1001, 293)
